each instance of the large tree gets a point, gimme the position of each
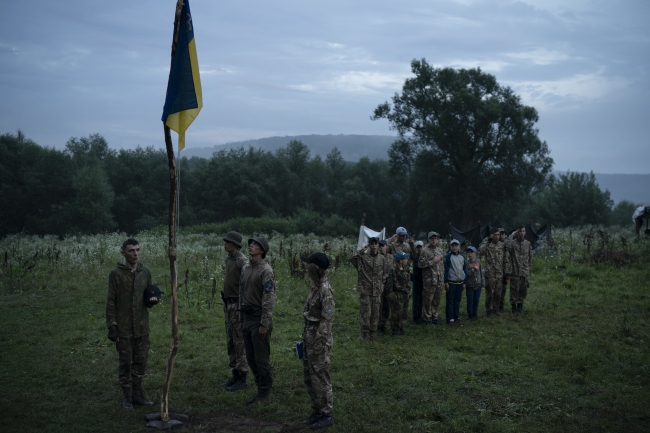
(469, 141)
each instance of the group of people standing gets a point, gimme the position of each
(385, 281)
(249, 297)
(389, 271)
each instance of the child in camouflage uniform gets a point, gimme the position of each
(398, 293)
(317, 342)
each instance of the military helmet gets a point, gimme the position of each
(262, 241)
(234, 238)
(151, 292)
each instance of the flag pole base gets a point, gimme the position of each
(154, 420)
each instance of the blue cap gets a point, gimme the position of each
(454, 241)
(470, 248)
(401, 231)
(401, 255)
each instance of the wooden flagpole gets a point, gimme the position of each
(173, 192)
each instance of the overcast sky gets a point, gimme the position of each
(76, 67)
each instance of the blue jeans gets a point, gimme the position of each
(473, 296)
(454, 296)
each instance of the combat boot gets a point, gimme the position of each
(514, 309)
(139, 398)
(381, 331)
(520, 308)
(323, 422)
(240, 383)
(252, 400)
(366, 336)
(232, 380)
(264, 397)
(315, 415)
(127, 402)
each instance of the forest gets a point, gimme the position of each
(90, 188)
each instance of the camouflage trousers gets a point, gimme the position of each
(518, 289)
(133, 354)
(384, 311)
(369, 307)
(493, 287)
(431, 294)
(399, 310)
(316, 374)
(235, 339)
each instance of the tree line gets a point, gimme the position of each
(90, 188)
(467, 152)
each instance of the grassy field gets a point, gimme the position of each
(578, 360)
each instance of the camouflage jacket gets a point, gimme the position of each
(496, 259)
(234, 265)
(399, 280)
(371, 272)
(125, 306)
(257, 290)
(389, 263)
(431, 263)
(320, 307)
(519, 256)
(395, 246)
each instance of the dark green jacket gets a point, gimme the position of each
(125, 304)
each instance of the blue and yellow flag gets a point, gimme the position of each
(184, 99)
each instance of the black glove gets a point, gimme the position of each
(112, 333)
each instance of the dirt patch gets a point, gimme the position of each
(233, 424)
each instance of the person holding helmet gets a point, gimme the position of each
(256, 300)
(317, 342)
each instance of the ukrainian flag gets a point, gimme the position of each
(184, 99)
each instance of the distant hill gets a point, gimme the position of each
(352, 147)
(632, 187)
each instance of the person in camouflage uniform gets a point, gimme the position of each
(317, 342)
(398, 287)
(370, 266)
(519, 253)
(433, 273)
(417, 284)
(127, 319)
(384, 309)
(493, 250)
(256, 300)
(235, 261)
(399, 243)
(502, 238)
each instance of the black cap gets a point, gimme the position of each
(233, 237)
(151, 292)
(319, 259)
(373, 239)
(383, 242)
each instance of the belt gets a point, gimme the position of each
(312, 323)
(456, 282)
